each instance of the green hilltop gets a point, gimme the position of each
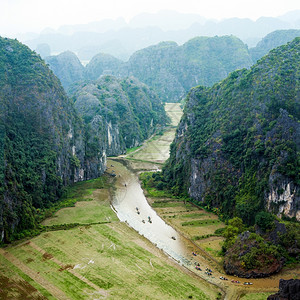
(237, 146)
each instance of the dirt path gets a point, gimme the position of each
(52, 289)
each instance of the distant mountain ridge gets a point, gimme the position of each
(271, 41)
(147, 29)
(169, 69)
(67, 67)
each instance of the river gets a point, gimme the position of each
(132, 207)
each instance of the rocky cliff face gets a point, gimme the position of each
(237, 263)
(43, 141)
(237, 146)
(121, 112)
(103, 64)
(288, 290)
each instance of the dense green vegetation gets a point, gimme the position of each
(125, 108)
(264, 247)
(169, 69)
(241, 139)
(271, 41)
(45, 145)
(236, 152)
(42, 139)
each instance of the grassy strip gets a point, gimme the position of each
(68, 226)
(77, 192)
(152, 192)
(109, 256)
(162, 204)
(130, 150)
(193, 216)
(71, 285)
(168, 204)
(11, 267)
(144, 161)
(203, 237)
(201, 222)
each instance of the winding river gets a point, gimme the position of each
(132, 207)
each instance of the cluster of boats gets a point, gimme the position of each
(208, 272)
(245, 283)
(223, 278)
(149, 218)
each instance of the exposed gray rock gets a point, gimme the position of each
(288, 290)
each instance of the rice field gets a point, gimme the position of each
(94, 261)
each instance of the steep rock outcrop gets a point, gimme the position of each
(288, 290)
(103, 64)
(121, 112)
(251, 257)
(171, 70)
(237, 146)
(42, 141)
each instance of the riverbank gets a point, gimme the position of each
(196, 225)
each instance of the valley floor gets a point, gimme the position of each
(94, 261)
(103, 258)
(198, 226)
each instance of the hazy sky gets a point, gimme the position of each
(19, 16)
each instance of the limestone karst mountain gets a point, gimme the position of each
(46, 144)
(43, 143)
(237, 146)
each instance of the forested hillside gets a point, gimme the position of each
(67, 67)
(271, 41)
(169, 69)
(172, 70)
(46, 145)
(237, 146)
(42, 140)
(121, 112)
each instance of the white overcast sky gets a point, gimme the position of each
(20, 16)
